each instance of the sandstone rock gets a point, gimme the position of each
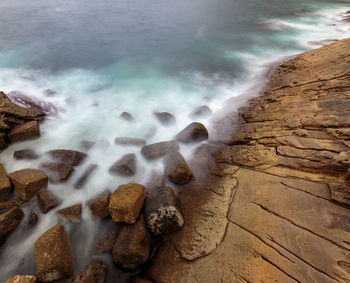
(28, 130)
(71, 213)
(156, 150)
(53, 255)
(126, 202)
(28, 182)
(195, 132)
(165, 118)
(201, 111)
(84, 177)
(28, 154)
(57, 171)
(33, 218)
(176, 168)
(5, 185)
(22, 279)
(106, 245)
(72, 157)
(161, 215)
(9, 221)
(99, 205)
(129, 141)
(126, 166)
(93, 273)
(11, 203)
(132, 248)
(47, 200)
(127, 116)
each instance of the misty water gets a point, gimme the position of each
(101, 58)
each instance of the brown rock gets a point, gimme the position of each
(126, 202)
(5, 185)
(28, 182)
(93, 273)
(176, 168)
(126, 166)
(129, 141)
(165, 118)
(9, 221)
(28, 154)
(33, 218)
(132, 248)
(22, 279)
(201, 111)
(72, 157)
(127, 116)
(106, 245)
(71, 213)
(47, 201)
(57, 171)
(99, 205)
(84, 177)
(28, 130)
(195, 132)
(156, 150)
(11, 203)
(53, 255)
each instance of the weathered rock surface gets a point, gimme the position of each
(93, 273)
(176, 168)
(22, 279)
(53, 255)
(165, 118)
(47, 200)
(28, 182)
(84, 177)
(25, 154)
(11, 203)
(99, 205)
(9, 221)
(57, 171)
(126, 166)
(157, 150)
(129, 141)
(126, 202)
(194, 132)
(71, 157)
(25, 131)
(106, 245)
(71, 213)
(5, 184)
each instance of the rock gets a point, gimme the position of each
(99, 205)
(129, 141)
(161, 215)
(9, 221)
(127, 116)
(71, 213)
(47, 201)
(132, 248)
(93, 273)
(11, 203)
(25, 131)
(57, 171)
(33, 218)
(126, 166)
(156, 180)
(176, 168)
(53, 255)
(83, 178)
(86, 145)
(28, 154)
(49, 92)
(22, 279)
(28, 182)
(195, 132)
(106, 245)
(165, 118)
(156, 150)
(126, 202)
(201, 111)
(72, 157)
(5, 184)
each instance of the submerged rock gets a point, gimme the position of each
(176, 168)
(33, 218)
(28, 154)
(195, 132)
(22, 279)
(57, 171)
(25, 131)
(71, 213)
(156, 150)
(126, 166)
(129, 141)
(9, 221)
(93, 273)
(165, 118)
(106, 245)
(72, 157)
(47, 200)
(201, 111)
(99, 205)
(127, 116)
(5, 184)
(84, 177)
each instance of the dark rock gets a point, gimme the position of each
(156, 150)
(57, 171)
(5, 184)
(106, 245)
(201, 111)
(126, 202)
(139, 279)
(71, 213)
(127, 116)
(86, 145)
(22, 279)
(9, 221)
(176, 168)
(165, 118)
(33, 218)
(99, 205)
(195, 132)
(25, 154)
(93, 273)
(11, 203)
(47, 201)
(83, 178)
(126, 166)
(28, 182)
(72, 157)
(25, 131)
(53, 255)
(129, 141)
(132, 248)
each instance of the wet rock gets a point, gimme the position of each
(57, 171)
(201, 111)
(93, 273)
(126, 166)
(99, 205)
(28, 154)
(84, 177)
(53, 255)
(5, 184)
(47, 200)
(127, 116)
(72, 157)
(165, 118)
(25, 131)
(156, 150)
(161, 214)
(195, 132)
(126, 202)
(132, 248)
(22, 279)
(176, 168)
(11, 203)
(71, 213)
(129, 141)
(155, 181)
(28, 182)
(9, 221)
(33, 218)
(49, 92)
(106, 245)
(86, 145)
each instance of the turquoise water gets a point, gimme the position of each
(106, 57)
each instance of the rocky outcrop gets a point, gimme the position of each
(25, 131)
(157, 150)
(5, 184)
(94, 273)
(194, 132)
(176, 168)
(9, 221)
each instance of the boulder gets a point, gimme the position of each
(11, 203)
(106, 245)
(57, 171)
(22, 279)
(72, 157)
(126, 116)
(161, 214)
(93, 273)
(5, 184)
(126, 202)
(71, 213)
(99, 205)
(132, 248)
(165, 118)
(9, 221)
(176, 168)
(194, 132)
(156, 150)
(201, 111)
(28, 154)
(28, 182)
(53, 255)
(47, 201)
(25, 131)
(33, 218)
(126, 166)
(129, 141)
(84, 177)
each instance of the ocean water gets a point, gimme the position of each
(102, 58)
